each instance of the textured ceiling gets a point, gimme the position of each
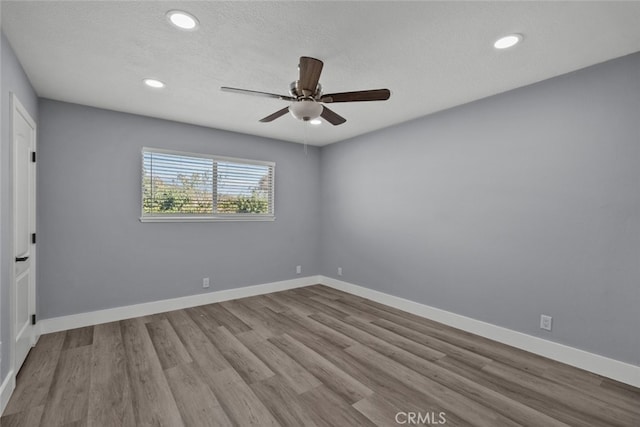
(432, 55)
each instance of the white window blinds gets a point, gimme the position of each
(197, 187)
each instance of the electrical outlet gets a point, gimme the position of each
(339, 271)
(205, 282)
(545, 322)
(298, 269)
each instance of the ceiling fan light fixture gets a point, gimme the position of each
(182, 20)
(305, 110)
(315, 122)
(508, 41)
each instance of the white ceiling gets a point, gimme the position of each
(432, 55)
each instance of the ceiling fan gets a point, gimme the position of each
(307, 98)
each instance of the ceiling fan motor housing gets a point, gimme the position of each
(295, 90)
(305, 109)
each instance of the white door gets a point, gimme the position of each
(24, 223)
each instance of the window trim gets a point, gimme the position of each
(144, 217)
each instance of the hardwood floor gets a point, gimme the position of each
(310, 356)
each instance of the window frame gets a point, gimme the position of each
(213, 217)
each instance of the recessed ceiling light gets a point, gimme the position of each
(316, 122)
(508, 41)
(156, 84)
(182, 20)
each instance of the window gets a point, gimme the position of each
(197, 187)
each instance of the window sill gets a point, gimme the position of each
(229, 218)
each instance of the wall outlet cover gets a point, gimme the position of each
(545, 322)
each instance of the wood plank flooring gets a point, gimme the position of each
(310, 356)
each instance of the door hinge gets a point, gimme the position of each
(33, 156)
(33, 319)
(33, 238)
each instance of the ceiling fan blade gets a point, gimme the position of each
(257, 93)
(275, 115)
(332, 117)
(310, 69)
(363, 95)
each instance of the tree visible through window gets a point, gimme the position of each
(183, 185)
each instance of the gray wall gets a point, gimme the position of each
(93, 253)
(520, 204)
(13, 80)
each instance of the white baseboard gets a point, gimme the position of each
(7, 387)
(610, 368)
(127, 312)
